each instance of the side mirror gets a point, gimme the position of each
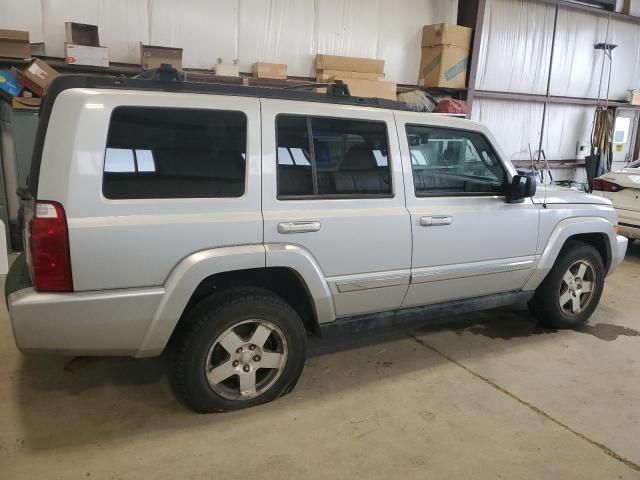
(521, 186)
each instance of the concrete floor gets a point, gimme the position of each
(497, 399)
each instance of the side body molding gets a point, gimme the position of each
(562, 231)
(182, 282)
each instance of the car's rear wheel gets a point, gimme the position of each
(238, 349)
(571, 291)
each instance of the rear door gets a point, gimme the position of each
(332, 184)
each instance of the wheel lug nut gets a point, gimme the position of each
(239, 350)
(246, 368)
(256, 358)
(252, 347)
(235, 363)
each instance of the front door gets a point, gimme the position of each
(332, 185)
(467, 240)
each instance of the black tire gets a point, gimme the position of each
(545, 304)
(208, 321)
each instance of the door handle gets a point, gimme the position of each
(436, 221)
(298, 227)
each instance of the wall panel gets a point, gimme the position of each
(400, 34)
(277, 31)
(205, 29)
(281, 31)
(515, 47)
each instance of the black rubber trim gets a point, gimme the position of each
(415, 317)
(628, 225)
(66, 82)
(18, 277)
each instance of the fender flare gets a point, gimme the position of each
(193, 269)
(561, 233)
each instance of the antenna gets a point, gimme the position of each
(544, 108)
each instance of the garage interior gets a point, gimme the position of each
(482, 395)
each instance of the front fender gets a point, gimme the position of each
(564, 230)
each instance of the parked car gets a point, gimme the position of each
(623, 189)
(223, 224)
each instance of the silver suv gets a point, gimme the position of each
(224, 224)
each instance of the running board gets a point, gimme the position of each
(427, 315)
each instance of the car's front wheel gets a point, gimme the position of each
(238, 349)
(570, 293)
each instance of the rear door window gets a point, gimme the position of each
(329, 157)
(174, 153)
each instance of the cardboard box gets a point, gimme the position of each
(226, 69)
(14, 44)
(368, 88)
(84, 55)
(329, 75)
(82, 34)
(349, 64)
(38, 50)
(276, 71)
(22, 103)
(446, 34)
(37, 77)
(152, 56)
(443, 66)
(9, 85)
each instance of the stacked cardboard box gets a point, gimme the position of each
(364, 76)
(83, 46)
(445, 54)
(14, 44)
(277, 71)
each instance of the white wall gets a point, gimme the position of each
(282, 31)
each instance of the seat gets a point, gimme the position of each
(359, 173)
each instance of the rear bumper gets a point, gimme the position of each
(110, 322)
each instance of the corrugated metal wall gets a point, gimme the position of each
(283, 31)
(514, 57)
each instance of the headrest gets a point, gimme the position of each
(359, 157)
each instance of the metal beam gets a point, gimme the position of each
(533, 97)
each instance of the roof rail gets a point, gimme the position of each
(165, 73)
(338, 89)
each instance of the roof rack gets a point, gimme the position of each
(166, 78)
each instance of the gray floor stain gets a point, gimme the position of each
(608, 332)
(503, 330)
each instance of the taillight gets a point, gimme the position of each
(603, 185)
(49, 242)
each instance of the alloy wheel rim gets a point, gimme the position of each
(577, 287)
(246, 359)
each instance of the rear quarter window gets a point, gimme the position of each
(174, 153)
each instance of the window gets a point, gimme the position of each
(174, 153)
(447, 161)
(331, 157)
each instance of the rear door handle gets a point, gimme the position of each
(436, 221)
(298, 227)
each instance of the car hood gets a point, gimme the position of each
(559, 195)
